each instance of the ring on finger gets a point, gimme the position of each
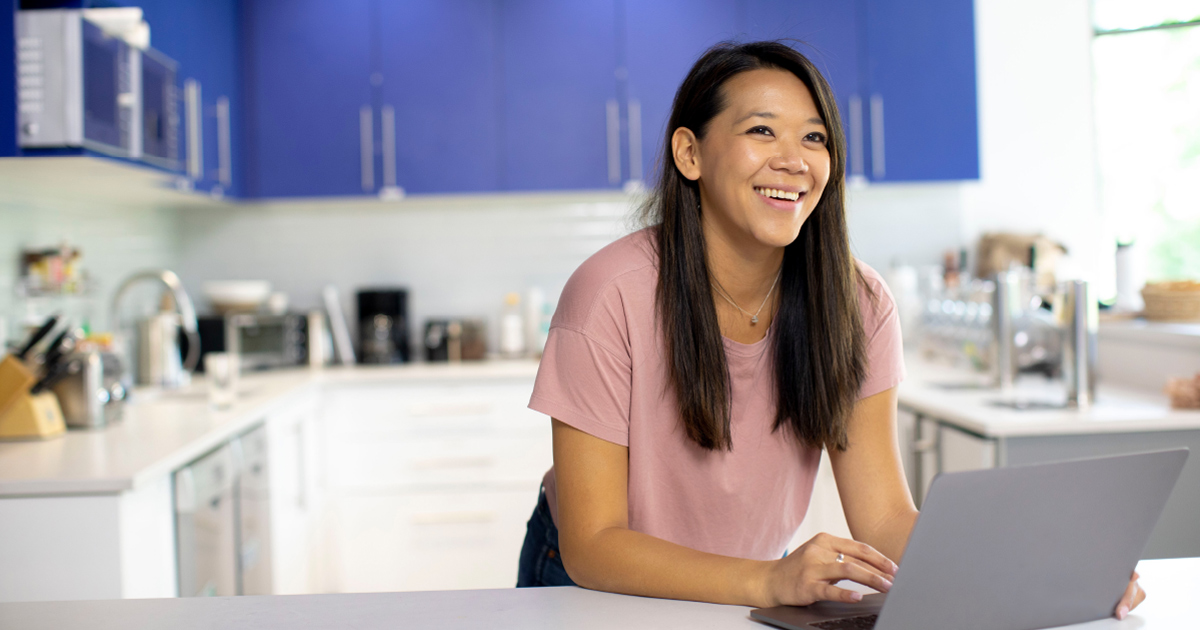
(841, 557)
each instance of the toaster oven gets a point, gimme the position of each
(260, 341)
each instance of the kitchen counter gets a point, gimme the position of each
(1171, 584)
(163, 430)
(966, 400)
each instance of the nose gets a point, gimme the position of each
(790, 159)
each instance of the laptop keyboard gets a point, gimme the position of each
(861, 622)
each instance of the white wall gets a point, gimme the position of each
(1036, 130)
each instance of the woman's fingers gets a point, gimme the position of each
(864, 574)
(831, 593)
(865, 553)
(1133, 596)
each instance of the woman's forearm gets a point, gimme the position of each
(891, 536)
(620, 560)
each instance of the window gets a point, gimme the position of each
(1146, 55)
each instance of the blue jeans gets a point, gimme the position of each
(541, 562)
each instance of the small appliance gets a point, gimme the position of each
(261, 341)
(383, 325)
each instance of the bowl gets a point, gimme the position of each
(231, 296)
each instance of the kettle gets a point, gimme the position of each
(158, 354)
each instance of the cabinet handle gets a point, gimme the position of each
(635, 140)
(366, 145)
(613, 127)
(195, 129)
(878, 165)
(926, 445)
(301, 467)
(858, 147)
(388, 127)
(451, 518)
(224, 145)
(436, 463)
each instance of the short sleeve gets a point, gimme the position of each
(584, 384)
(885, 346)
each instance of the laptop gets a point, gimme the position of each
(1014, 548)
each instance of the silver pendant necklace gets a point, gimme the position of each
(754, 316)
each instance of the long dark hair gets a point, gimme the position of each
(819, 350)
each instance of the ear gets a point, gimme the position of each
(685, 148)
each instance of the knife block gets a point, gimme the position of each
(15, 380)
(33, 417)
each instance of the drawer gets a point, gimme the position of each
(433, 461)
(428, 541)
(372, 413)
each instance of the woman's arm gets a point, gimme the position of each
(600, 552)
(870, 478)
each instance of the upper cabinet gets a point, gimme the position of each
(662, 41)
(311, 119)
(311, 98)
(920, 97)
(559, 109)
(439, 96)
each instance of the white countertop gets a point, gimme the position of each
(965, 399)
(163, 431)
(1171, 604)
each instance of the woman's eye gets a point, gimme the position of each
(816, 136)
(762, 130)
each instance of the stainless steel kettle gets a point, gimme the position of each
(158, 354)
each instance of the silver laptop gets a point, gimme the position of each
(1014, 548)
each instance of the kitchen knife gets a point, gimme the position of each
(38, 335)
(53, 375)
(62, 345)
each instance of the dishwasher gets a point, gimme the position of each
(223, 520)
(254, 514)
(205, 526)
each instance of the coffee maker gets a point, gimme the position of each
(383, 325)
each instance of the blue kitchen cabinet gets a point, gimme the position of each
(828, 33)
(310, 123)
(202, 37)
(439, 117)
(663, 39)
(920, 96)
(560, 117)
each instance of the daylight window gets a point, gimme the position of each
(1147, 96)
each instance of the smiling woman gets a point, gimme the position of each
(688, 428)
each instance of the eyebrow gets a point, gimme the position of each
(816, 120)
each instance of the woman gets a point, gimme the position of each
(696, 369)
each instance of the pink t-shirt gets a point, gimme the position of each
(604, 373)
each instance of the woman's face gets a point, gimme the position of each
(764, 160)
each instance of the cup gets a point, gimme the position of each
(222, 369)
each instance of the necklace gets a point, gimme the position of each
(753, 317)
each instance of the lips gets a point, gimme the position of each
(780, 194)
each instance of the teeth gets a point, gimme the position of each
(779, 194)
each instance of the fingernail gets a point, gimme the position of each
(887, 585)
(855, 596)
(1122, 612)
(895, 568)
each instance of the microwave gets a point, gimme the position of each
(261, 341)
(80, 86)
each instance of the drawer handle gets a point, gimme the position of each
(928, 444)
(450, 409)
(437, 463)
(453, 518)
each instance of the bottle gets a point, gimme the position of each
(512, 328)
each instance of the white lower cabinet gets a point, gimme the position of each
(430, 486)
(295, 499)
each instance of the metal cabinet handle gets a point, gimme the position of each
(388, 126)
(366, 145)
(858, 147)
(613, 127)
(302, 466)
(635, 140)
(926, 445)
(195, 129)
(224, 144)
(465, 517)
(878, 164)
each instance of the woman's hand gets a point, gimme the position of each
(808, 574)
(1133, 596)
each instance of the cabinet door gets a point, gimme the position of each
(309, 116)
(664, 38)
(202, 37)
(440, 87)
(560, 120)
(921, 105)
(829, 34)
